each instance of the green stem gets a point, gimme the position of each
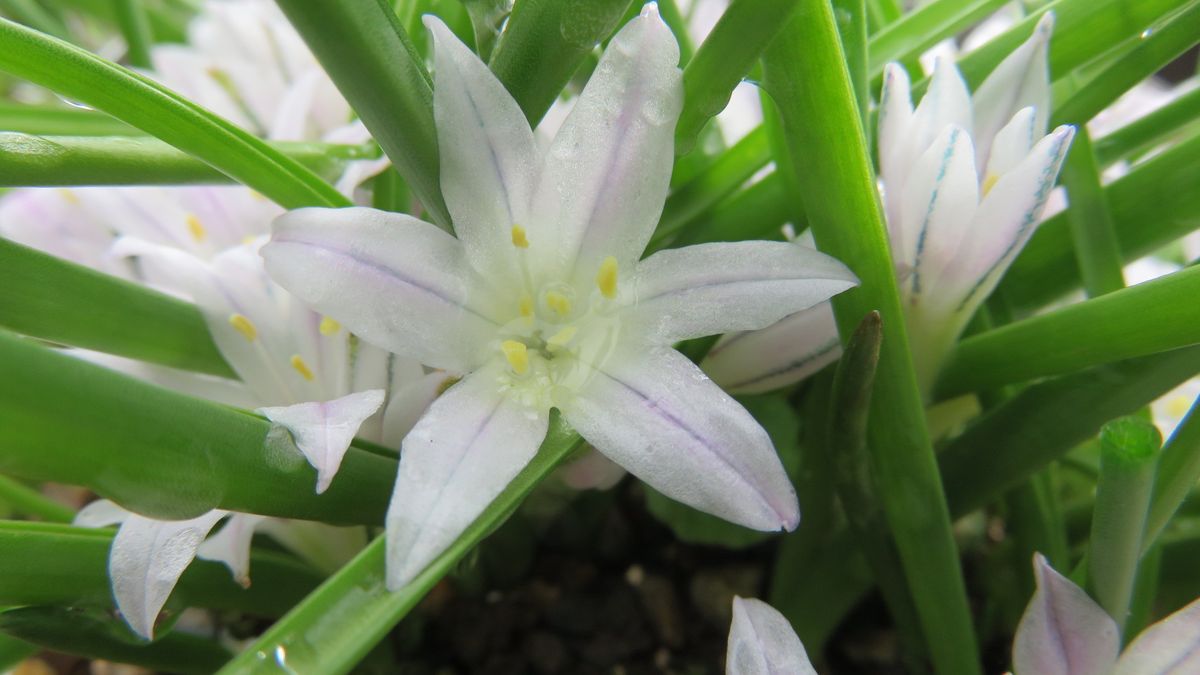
(1096, 245)
(135, 27)
(27, 501)
(806, 73)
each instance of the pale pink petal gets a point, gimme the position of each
(101, 513)
(1169, 647)
(1021, 80)
(763, 642)
(1063, 631)
(779, 355)
(231, 546)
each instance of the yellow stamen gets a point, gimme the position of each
(526, 306)
(243, 326)
(606, 278)
(561, 338)
(302, 368)
(558, 302)
(518, 237)
(68, 196)
(989, 183)
(517, 355)
(329, 326)
(196, 228)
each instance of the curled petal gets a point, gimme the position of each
(1063, 632)
(231, 546)
(779, 355)
(716, 288)
(488, 157)
(607, 171)
(762, 642)
(147, 558)
(323, 430)
(465, 450)
(1021, 80)
(394, 280)
(101, 513)
(1169, 647)
(659, 416)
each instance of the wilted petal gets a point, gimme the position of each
(488, 158)
(762, 642)
(776, 356)
(147, 558)
(1169, 647)
(323, 430)
(231, 546)
(1021, 80)
(394, 280)
(716, 288)
(466, 449)
(659, 416)
(606, 173)
(1063, 631)
(101, 513)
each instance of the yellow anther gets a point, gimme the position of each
(68, 196)
(526, 306)
(518, 237)
(302, 368)
(559, 303)
(561, 338)
(989, 183)
(606, 278)
(196, 228)
(517, 355)
(1178, 406)
(329, 326)
(243, 326)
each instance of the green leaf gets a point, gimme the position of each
(724, 58)
(924, 27)
(52, 299)
(53, 119)
(1179, 469)
(135, 27)
(97, 635)
(338, 624)
(1136, 321)
(543, 44)
(806, 74)
(71, 160)
(487, 18)
(1096, 247)
(758, 212)
(47, 564)
(368, 54)
(147, 105)
(1150, 129)
(164, 454)
(27, 501)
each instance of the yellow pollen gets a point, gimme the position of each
(989, 182)
(243, 326)
(606, 278)
(68, 196)
(302, 368)
(329, 326)
(561, 338)
(558, 302)
(526, 306)
(518, 237)
(196, 228)
(517, 355)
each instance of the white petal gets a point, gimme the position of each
(1021, 80)
(1169, 647)
(720, 287)
(146, 561)
(470, 444)
(231, 546)
(607, 171)
(407, 402)
(323, 430)
(219, 389)
(394, 280)
(1063, 632)
(659, 416)
(763, 642)
(325, 547)
(776, 356)
(936, 208)
(100, 513)
(1012, 144)
(592, 471)
(895, 126)
(488, 158)
(947, 102)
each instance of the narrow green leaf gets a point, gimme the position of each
(13, 652)
(161, 453)
(924, 27)
(366, 51)
(1096, 247)
(1150, 129)
(487, 18)
(851, 17)
(147, 105)
(52, 299)
(339, 623)
(95, 635)
(758, 212)
(806, 74)
(47, 564)
(1179, 469)
(724, 58)
(543, 44)
(135, 27)
(29, 502)
(72, 160)
(33, 14)
(1096, 331)
(57, 120)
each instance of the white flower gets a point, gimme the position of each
(1064, 632)
(761, 642)
(542, 301)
